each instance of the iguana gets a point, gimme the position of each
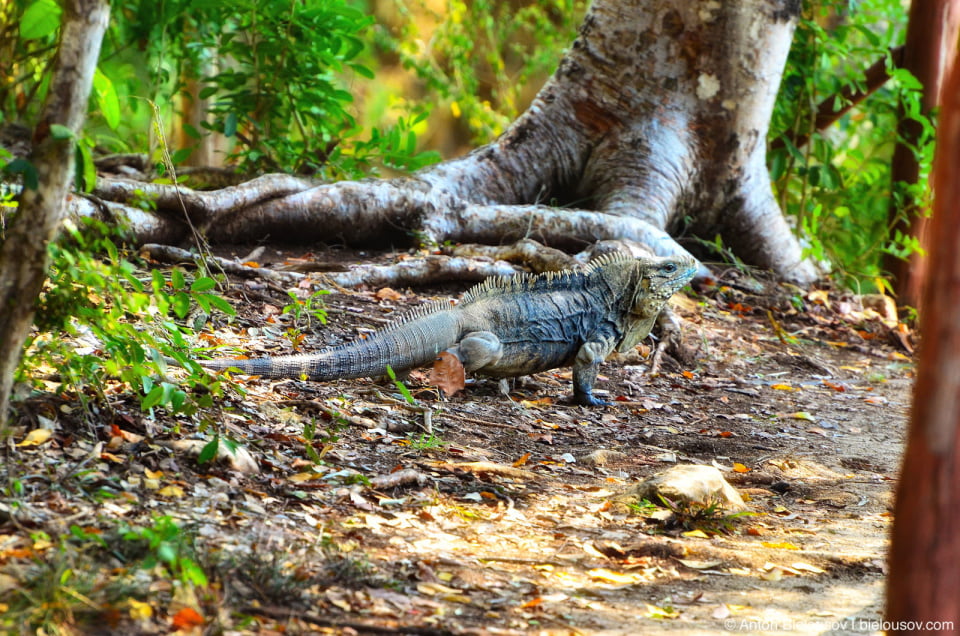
(508, 326)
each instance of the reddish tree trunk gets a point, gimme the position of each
(924, 580)
(931, 40)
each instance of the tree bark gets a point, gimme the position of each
(931, 40)
(924, 584)
(23, 253)
(654, 124)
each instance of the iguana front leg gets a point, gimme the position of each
(585, 368)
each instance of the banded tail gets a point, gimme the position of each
(413, 341)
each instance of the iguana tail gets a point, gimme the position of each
(412, 342)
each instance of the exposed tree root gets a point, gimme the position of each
(639, 135)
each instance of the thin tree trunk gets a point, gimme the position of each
(931, 40)
(654, 124)
(924, 579)
(23, 254)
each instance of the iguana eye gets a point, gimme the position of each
(670, 268)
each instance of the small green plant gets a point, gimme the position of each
(305, 310)
(643, 507)
(167, 545)
(404, 391)
(707, 516)
(211, 449)
(425, 441)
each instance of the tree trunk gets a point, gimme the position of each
(931, 40)
(654, 123)
(924, 584)
(23, 253)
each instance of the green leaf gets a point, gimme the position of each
(231, 445)
(203, 284)
(778, 164)
(153, 398)
(59, 131)
(209, 450)
(31, 180)
(181, 305)
(230, 125)
(222, 305)
(362, 71)
(177, 279)
(42, 18)
(86, 169)
(204, 301)
(107, 99)
(404, 391)
(166, 552)
(192, 572)
(181, 155)
(177, 398)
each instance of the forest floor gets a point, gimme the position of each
(504, 519)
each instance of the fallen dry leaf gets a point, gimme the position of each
(654, 611)
(387, 293)
(620, 578)
(521, 460)
(699, 565)
(187, 618)
(174, 492)
(780, 546)
(783, 387)
(696, 534)
(139, 610)
(807, 567)
(36, 437)
(448, 374)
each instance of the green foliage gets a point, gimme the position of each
(644, 507)
(277, 75)
(169, 546)
(97, 320)
(838, 185)
(404, 391)
(425, 441)
(211, 449)
(306, 310)
(51, 594)
(484, 58)
(707, 516)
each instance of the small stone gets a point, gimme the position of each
(689, 483)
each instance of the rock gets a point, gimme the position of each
(687, 483)
(602, 457)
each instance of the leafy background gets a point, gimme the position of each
(341, 89)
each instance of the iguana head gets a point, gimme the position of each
(657, 279)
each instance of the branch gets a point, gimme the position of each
(875, 77)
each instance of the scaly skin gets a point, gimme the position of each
(507, 327)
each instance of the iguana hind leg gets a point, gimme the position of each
(478, 349)
(585, 368)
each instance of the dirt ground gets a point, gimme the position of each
(505, 519)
